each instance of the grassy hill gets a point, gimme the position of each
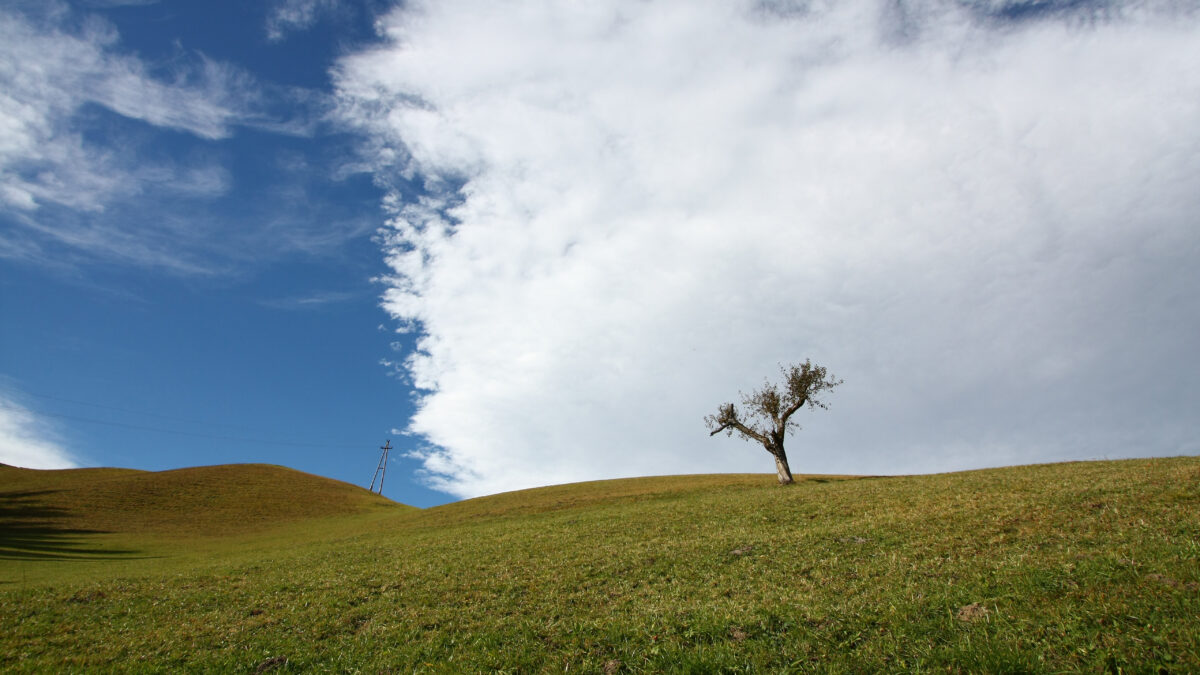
(198, 501)
(1066, 567)
(80, 515)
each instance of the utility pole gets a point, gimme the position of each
(381, 470)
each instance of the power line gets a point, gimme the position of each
(194, 434)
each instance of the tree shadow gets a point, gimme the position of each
(839, 479)
(33, 530)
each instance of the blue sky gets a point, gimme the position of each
(536, 243)
(248, 329)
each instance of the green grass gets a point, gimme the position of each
(1091, 567)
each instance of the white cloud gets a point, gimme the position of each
(88, 174)
(27, 441)
(982, 218)
(118, 3)
(60, 186)
(292, 15)
(315, 300)
(47, 75)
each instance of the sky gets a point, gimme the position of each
(532, 243)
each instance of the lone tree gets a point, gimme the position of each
(769, 411)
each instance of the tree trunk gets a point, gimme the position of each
(782, 471)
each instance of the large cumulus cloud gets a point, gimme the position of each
(981, 216)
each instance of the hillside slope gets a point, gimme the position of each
(1081, 567)
(199, 501)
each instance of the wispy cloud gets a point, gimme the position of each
(84, 174)
(49, 72)
(27, 441)
(57, 183)
(118, 3)
(287, 16)
(315, 300)
(982, 219)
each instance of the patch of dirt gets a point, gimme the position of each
(271, 664)
(741, 551)
(1171, 583)
(611, 666)
(738, 634)
(854, 540)
(84, 597)
(972, 612)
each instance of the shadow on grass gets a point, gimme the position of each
(839, 479)
(32, 530)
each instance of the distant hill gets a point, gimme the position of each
(198, 501)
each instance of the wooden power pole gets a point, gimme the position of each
(381, 470)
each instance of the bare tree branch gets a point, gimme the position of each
(752, 433)
(793, 408)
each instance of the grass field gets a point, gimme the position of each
(1091, 567)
